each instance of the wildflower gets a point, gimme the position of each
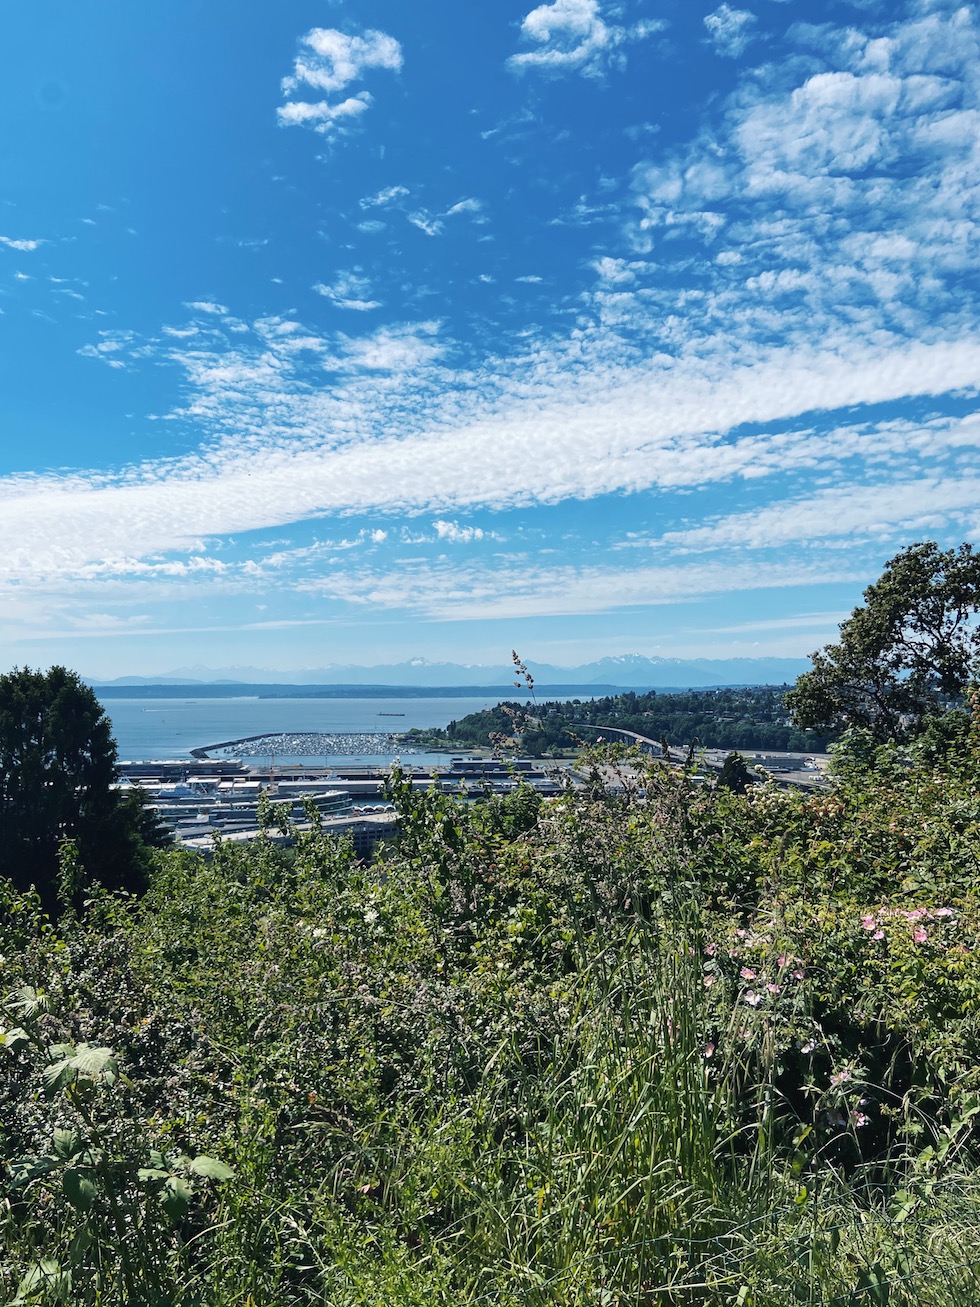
(798, 973)
(919, 936)
(752, 998)
(839, 1077)
(709, 981)
(709, 1049)
(860, 1119)
(711, 949)
(747, 973)
(879, 934)
(773, 989)
(943, 912)
(869, 922)
(809, 1046)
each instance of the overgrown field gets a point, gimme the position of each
(680, 1046)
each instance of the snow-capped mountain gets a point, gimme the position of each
(624, 671)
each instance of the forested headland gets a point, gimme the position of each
(751, 718)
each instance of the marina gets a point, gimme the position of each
(204, 797)
(172, 728)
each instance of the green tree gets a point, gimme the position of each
(735, 774)
(58, 807)
(908, 653)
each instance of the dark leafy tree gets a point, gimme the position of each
(907, 654)
(735, 774)
(60, 817)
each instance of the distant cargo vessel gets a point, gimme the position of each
(391, 714)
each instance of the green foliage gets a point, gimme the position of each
(752, 717)
(734, 774)
(93, 1211)
(62, 825)
(674, 1045)
(906, 654)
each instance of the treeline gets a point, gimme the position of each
(747, 719)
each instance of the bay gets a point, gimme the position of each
(170, 728)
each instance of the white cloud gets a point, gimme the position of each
(456, 534)
(110, 346)
(24, 246)
(206, 306)
(384, 197)
(848, 197)
(573, 36)
(814, 246)
(329, 60)
(478, 592)
(321, 116)
(730, 30)
(403, 350)
(432, 226)
(835, 122)
(395, 437)
(349, 291)
(896, 509)
(620, 272)
(469, 205)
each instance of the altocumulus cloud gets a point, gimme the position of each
(329, 60)
(730, 30)
(574, 36)
(802, 256)
(615, 430)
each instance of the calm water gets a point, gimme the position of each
(170, 728)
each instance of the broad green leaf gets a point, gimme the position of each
(15, 1039)
(25, 1169)
(28, 1002)
(93, 1063)
(42, 1281)
(67, 1143)
(211, 1167)
(96, 1063)
(59, 1075)
(80, 1188)
(175, 1197)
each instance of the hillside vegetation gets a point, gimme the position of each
(673, 1046)
(750, 717)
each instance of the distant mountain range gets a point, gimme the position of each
(627, 672)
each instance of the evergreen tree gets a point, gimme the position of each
(59, 812)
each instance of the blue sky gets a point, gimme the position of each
(352, 332)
